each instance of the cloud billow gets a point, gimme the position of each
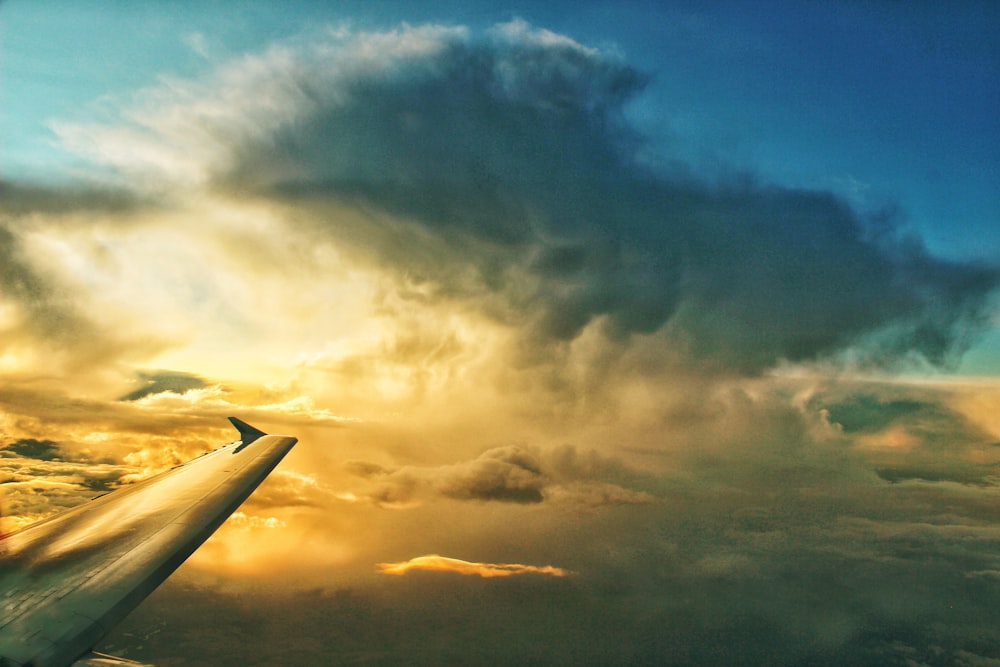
(503, 166)
(511, 474)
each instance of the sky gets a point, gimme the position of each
(613, 333)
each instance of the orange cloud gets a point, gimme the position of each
(488, 570)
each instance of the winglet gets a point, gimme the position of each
(247, 432)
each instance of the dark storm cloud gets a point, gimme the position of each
(156, 382)
(508, 168)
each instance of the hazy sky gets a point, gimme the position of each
(638, 332)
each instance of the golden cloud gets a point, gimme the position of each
(436, 563)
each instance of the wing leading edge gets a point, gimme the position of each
(67, 581)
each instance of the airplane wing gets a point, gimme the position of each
(65, 582)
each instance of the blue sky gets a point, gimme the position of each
(660, 309)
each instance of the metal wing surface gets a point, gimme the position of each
(65, 582)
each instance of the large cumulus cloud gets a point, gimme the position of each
(500, 169)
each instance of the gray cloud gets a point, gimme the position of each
(514, 474)
(44, 450)
(505, 474)
(155, 382)
(508, 474)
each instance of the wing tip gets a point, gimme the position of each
(248, 433)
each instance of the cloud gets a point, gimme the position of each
(48, 320)
(38, 309)
(34, 488)
(437, 563)
(504, 474)
(510, 474)
(401, 211)
(501, 169)
(852, 578)
(770, 501)
(507, 474)
(197, 42)
(45, 450)
(596, 494)
(155, 382)
(211, 401)
(962, 473)
(70, 199)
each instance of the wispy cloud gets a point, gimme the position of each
(437, 563)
